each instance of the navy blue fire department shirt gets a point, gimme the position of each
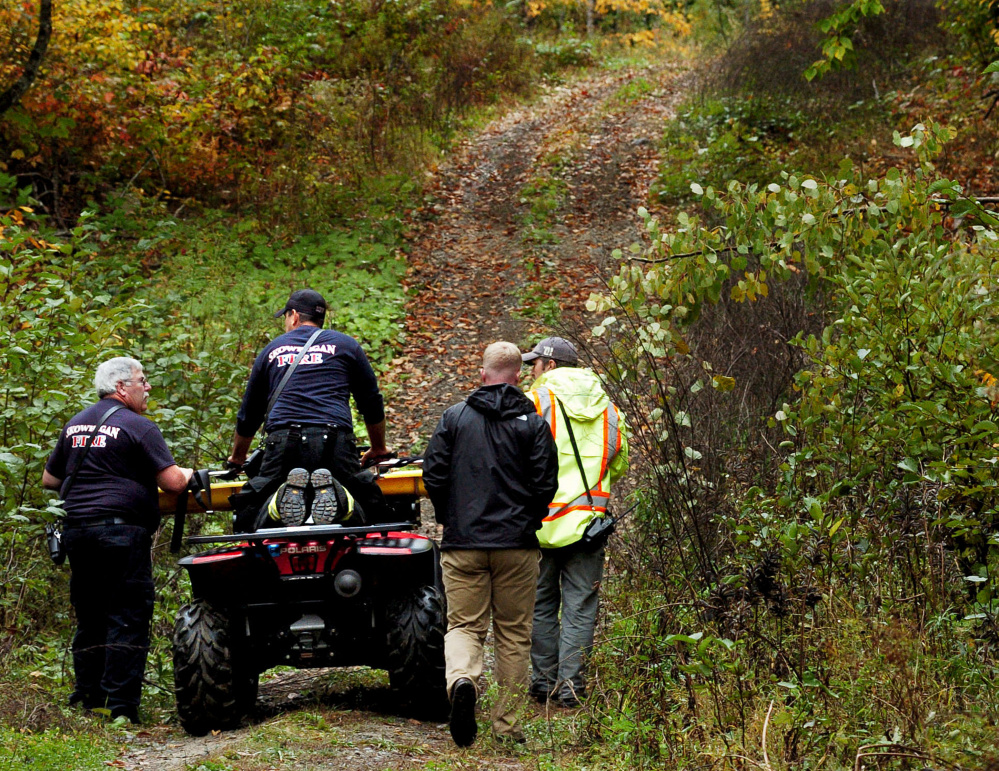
(334, 369)
(118, 477)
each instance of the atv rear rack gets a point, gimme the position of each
(312, 532)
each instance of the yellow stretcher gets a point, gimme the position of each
(407, 480)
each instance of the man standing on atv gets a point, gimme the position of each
(309, 427)
(490, 470)
(106, 465)
(592, 452)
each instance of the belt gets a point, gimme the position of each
(304, 427)
(100, 522)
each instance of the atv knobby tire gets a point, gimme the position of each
(415, 649)
(214, 688)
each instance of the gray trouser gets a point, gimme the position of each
(570, 579)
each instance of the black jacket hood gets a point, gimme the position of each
(501, 401)
(491, 471)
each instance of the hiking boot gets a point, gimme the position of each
(567, 699)
(463, 726)
(86, 700)
(290, 499)
(129, 711)
(541, 693)
(325, 509)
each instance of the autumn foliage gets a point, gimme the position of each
(237, 105)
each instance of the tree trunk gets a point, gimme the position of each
(590, 8)
(12, 95)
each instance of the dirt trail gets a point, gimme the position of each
(478, 270)
(481, 274)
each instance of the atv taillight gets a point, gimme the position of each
(394, 534)
(203, 558)
(383, 550)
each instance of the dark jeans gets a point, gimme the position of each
(569, 581)
(311, 447)
(111, 588)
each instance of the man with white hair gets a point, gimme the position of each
(107, 464)
(491, 471)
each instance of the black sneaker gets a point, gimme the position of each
(291, 498)
(86, 700)
(325, 510)
(463, 726)
(131, 712)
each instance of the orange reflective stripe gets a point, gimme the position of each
(612, 438)
(580, 502)
(579, 499)
(543, 400)
(603, 460)
(560, 514)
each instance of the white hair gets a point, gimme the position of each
(112, 372)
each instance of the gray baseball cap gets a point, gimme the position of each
(557, 348)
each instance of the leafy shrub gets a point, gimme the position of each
(853, 552)
(52, 331)
(563, 53)
(974, 24)
(745, 137)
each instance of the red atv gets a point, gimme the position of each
(310, 596)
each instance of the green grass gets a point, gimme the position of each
(55, 750)
(633, 91)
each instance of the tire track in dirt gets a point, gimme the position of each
(471, 267)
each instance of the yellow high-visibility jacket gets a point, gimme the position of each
(599, 429)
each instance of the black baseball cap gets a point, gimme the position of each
(304, 301)
(557, 348)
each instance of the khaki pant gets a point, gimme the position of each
(503, 582)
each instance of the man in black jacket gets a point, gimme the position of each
(491, 470)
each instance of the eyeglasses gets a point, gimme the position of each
(142, 381)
